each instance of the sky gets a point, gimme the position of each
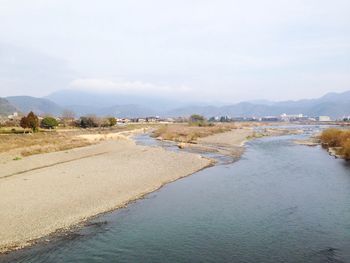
(198, 50)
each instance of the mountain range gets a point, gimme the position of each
(334, 105)
(6, 107)
(40, 106)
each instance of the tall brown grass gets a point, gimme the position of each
(337, 138)
(188, 133)
(13, 138)
(29, 144)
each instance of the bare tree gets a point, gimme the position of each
(68, 117)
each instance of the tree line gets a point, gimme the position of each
(31, 122)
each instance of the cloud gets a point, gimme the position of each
(227, 49)
(126, 87)
(25, 71)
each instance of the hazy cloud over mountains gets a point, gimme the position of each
(223, 50)
(126, 87)
(27, 71)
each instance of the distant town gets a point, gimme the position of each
(14, 119)
(283, 117)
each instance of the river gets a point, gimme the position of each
(281, 202)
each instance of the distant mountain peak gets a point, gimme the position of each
(40, 106)
(6, 108)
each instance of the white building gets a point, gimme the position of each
(324, 118)
(292, 117)
(13, 116)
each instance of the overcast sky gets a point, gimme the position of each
(222, 50)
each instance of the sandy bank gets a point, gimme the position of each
(229, 143)
(43, 193)
(307, 142)
(125, 135)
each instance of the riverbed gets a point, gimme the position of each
(281, 202)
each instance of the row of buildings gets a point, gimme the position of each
(296, 118)
(283, 117)
(153, 119)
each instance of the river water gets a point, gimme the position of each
(281, 202)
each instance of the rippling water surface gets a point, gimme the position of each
(280, 203)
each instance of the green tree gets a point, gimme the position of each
(112, 121)
(197, 120)
(49, 123)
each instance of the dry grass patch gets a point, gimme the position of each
(29, 144)
(56, 140)
(338, 139)
(188, 133)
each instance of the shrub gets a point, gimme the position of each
(344, 137)
(346, 150)
(331, 137)
(337, 138)
(112, 121)
(49, 123)
(88, 122)
(197, 120)
(104, 123)
(107, 122)
(68, 118)
(11, 123)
